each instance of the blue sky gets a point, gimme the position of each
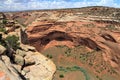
(16, 5)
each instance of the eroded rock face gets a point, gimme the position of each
(113, 53)
(73, 33)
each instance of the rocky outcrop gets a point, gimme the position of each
(19, 61)
(112, 52)
(36, 65)
(26, 64)
(108, 38)
(40, 70)
(7, 71)
(23, 37)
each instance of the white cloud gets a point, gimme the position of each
(9, 1)
(12, 5)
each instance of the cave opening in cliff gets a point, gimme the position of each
(45, 41)
(89, 43)
(52, 39)
(60, 38)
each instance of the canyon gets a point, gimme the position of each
(66, 44)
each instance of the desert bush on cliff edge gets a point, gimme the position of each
(13, 41)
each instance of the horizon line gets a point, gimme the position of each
(55, 9)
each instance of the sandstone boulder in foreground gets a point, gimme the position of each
(43, 69)
(35, 67)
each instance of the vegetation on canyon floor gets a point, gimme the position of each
(66, 58)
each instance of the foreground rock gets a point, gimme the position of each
(43, 69)
(32, 66)
(19, 60)
(24, 63)
(7, 71)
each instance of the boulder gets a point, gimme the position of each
(19, 60)
(27, 47)
(20, 52)
(29, 60)
(43, 68)
(2, 49)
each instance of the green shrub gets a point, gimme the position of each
(13, 41)
(2, 30)
(49, 56)
(4, 21)
(68, 68)
(111, 27)
(89, 25)
(61, 76)
(0, 37)
(2, 42)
